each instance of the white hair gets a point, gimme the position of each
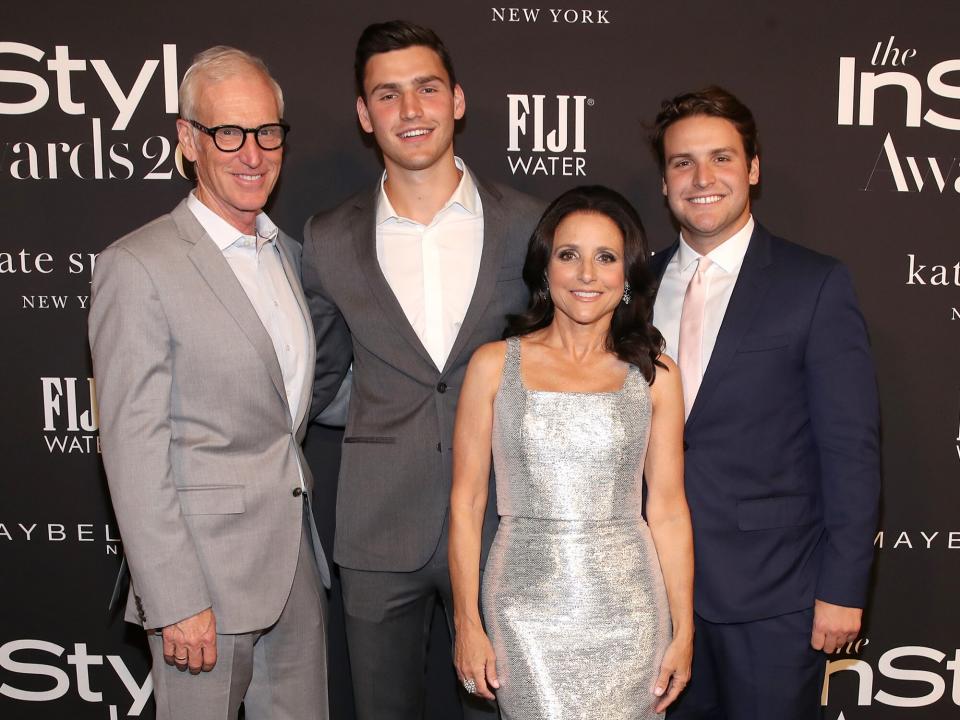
(216, 64)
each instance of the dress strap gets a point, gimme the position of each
(511, 363)
(637, 390)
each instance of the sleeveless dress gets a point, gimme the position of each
(572, 595)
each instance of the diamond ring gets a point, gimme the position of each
(470, 685)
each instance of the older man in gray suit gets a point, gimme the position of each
(406, 279)
(203, 354)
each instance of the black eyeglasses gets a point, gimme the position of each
(230, 138)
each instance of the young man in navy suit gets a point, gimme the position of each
(782, 430)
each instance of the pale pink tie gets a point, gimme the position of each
(690, 347)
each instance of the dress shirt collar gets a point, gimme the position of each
(224, 234)
(728, 255)
(466, 196)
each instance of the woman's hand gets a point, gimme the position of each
(474, 659)
(674, 672)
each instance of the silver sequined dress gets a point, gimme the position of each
(572, 594)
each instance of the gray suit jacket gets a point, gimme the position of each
(195, 429)
(395, 471)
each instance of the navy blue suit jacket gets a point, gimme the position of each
(782, 443)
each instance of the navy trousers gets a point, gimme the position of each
(760, 670)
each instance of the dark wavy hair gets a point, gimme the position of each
(396, 35)
(712, 101)
(632, 336)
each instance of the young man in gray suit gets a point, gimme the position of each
(406, 279)
(203, 354)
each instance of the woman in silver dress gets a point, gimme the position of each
(588, 606)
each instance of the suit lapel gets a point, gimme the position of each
(491, 258)
(210, 263)
(658, 263)
(292, 272)
(364, 232)
(752, 283)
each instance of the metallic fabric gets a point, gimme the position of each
(572, 594)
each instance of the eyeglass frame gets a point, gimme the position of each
(212, 132)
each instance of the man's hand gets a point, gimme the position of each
(192, 643)
(834, 625)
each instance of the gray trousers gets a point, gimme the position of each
(388, 618)
(278, 673)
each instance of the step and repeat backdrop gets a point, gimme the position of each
(858, 106)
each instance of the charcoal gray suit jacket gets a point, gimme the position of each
(395, 472)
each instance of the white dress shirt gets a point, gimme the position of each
(255, 260)
(721, 276)
(432, 269)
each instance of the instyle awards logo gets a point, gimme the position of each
(903, 84)
(910, 676)
(70, 415)
(107, 153)
(547, 134)
(66, 672)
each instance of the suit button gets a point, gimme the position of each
(441, 387)
(297, 492)
(686, 446)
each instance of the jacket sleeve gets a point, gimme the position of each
(133, 367)
(845, 417)
(334, 345)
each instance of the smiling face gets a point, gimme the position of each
(586, 268)
(410, 108)
(707, 179)
(235, 185)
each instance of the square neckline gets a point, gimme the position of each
(631, 369)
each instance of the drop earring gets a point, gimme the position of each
(544, 292)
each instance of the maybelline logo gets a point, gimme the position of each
(909, 173)
(920, 676)
(70, 416)
(98, 158)
(20, 532)
(565, 16)
(926, 539)
(20, 661)
(535, 150)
